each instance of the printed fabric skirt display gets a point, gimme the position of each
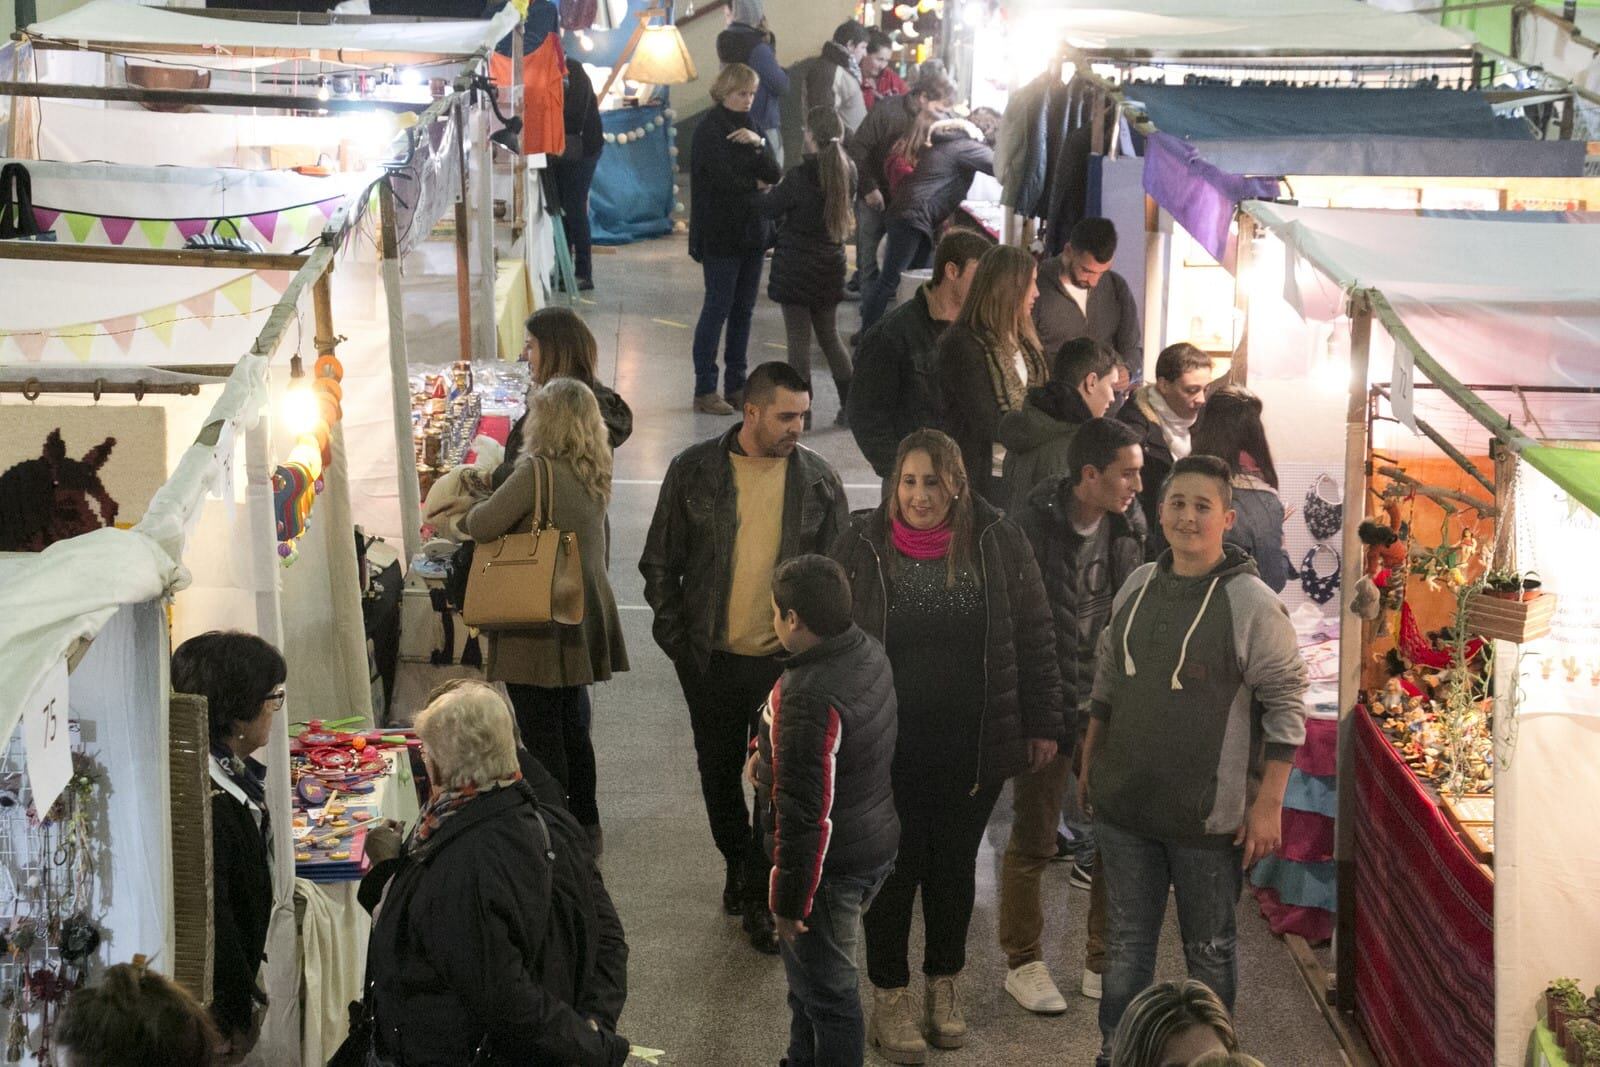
(1295, 888)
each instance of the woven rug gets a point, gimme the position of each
(1424, 921)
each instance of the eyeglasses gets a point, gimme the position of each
(275, 699)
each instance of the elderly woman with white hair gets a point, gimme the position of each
(495, 942)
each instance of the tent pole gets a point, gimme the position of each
(1244, 255)
(485, 332)
(463, 261)
(519, 168)
(1155, 284)
(1352, 636)
(399, 377)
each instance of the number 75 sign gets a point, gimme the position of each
(44, 731)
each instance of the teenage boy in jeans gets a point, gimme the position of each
(822, 780)
(1198, 708)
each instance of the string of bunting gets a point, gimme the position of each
(82, 227)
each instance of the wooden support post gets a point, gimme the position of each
(463, 260)
(1239, 369)
(1352, 640)
(322, 309)
(51, 252)
(627, 50)
(410, 488)
(196, 97)
(519, 168)
(1155, 285)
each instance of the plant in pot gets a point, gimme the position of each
(1583, 1043)
(1511, 585)
(1563, 1001)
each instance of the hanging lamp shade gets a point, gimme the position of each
(661, 58)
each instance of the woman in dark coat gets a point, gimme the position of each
(814, 209)
(241, 677)
(574, 169)
(731, 166)
(923, 202)
(485, 950)
(952, 590)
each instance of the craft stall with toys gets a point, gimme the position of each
(1456, 410)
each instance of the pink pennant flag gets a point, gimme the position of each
(266, 223)
(190, 227)
(46, 217)
(32, 344)
(202, 305)
(276, 280)
(116, 228)
(330, 206)
(121, 330)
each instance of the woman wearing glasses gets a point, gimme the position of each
(241, 677)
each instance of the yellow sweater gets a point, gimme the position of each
(758, 485)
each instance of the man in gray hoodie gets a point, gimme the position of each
(1197, 710)
(1081, 296)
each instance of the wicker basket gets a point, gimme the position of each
(1510, 620)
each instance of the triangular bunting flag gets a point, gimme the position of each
(265, 223)
(328, 207)
(122, 330)
(45, 217)
(202, 305)
(190, 227)
(161, 322)
(276, 280)
(116, 228)
(155, 231)
(80, 225)
(237, 293)
(32, 344)
(79, 339)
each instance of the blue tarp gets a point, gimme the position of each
(631, 198)
(1222, 112)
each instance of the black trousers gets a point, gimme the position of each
(555, 729)
(725, 703)
(941, 827)
(573, 178)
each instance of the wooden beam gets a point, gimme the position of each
(199, 97)
(51, 252)
(1356, 1051)
(32, 387)
(463, 260)
(339, 56)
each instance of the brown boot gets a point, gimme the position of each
(946, 1026)
(894, 1032)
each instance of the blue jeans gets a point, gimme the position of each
(905, 247)
(1137, 871)
(732, 285)
(826, 1025)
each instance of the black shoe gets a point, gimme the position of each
(1064, 849)
(585, 284)
(758, 924)
(732, 892)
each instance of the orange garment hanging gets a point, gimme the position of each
(544, 71)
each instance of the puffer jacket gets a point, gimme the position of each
(1022, 680)
(1038, 438)
(808, 265)
(688, 554)
(834, 80)
(724, 203)
(933, 191)
(1046, 519)
(822, 780)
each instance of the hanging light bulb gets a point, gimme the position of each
(322, 88)
(410, 77)
(299, 409)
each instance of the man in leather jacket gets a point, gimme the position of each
(730, 510)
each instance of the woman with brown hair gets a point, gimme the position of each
(951, 589)
(560, 345)
(988, 360)
(814, 210)
(1229, 427)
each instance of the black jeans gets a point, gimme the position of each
(725, 703)
(732, 285)
(941, 827)
(905, 248)
(555, 729)
(573, 178)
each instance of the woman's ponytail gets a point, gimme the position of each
(838, 173)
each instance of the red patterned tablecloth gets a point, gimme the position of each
(1424, 921)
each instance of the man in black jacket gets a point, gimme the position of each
(822, 780)
(892, 393)
(1087, 532)
(730, 510)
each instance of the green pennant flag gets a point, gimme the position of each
(162, 321)
(155, 231)
(237, 293)
(79, 339)
(80, 225)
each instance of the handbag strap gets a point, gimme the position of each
(544, 493)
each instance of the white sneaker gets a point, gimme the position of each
(1031, 986)
(1091, 987)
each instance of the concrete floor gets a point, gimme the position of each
(696, 988)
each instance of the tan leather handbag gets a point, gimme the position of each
(524, 581)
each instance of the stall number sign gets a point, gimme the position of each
(1402, 388)
(48, 738)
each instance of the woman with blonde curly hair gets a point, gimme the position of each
(988, 360)
(547, 669)
(1173, 1023)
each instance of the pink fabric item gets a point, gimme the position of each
(1307, 837)
(921, 544)
(1319, 755)
(1313, 924)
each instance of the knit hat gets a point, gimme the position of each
(748, 12)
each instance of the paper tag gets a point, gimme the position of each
(49, 741)
(1402, 389)
(648, 1055)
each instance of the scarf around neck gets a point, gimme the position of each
(1009, 388)
(250, 778)
(920, 544)
(1174, 427)
(447, 802)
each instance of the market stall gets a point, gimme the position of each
(1366, 326)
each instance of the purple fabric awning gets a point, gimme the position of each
(1202, 197)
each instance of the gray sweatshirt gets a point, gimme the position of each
(1199, 681)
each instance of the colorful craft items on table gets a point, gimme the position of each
(335, 774)
(297, 481)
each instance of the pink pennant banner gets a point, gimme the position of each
(46, 217)
(190, 227)
(330, 206)
(201, 305)
(266, 223)
(276, 280)
(32, 345)
(117, 229)
(122, 330)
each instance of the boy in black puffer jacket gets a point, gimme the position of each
(827, 809)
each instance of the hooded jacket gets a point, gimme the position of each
(1112, 319)
(1022, 680)
(834, 80)
(1199, 680)
(745, 43)
(894, 389)
(822, 780)
(1038, 438)
(614, 412)
(932, 192)
(808, 265)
